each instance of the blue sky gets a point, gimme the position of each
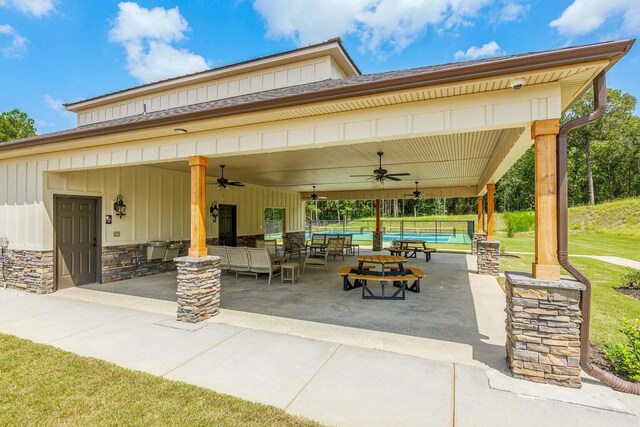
(54, 51)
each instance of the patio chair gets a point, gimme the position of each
(291, 247)
(335, 247)
(260, 261)
(272, 246)
(238, 260)
(349, 247)
(220, 251)
(318, 242)
(316, 259)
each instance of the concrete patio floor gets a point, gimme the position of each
(320, 378)
(455, 304)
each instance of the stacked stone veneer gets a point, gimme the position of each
(297, 237)
(475, 238)
(543, 329)
(30, 271)
(377, 240)
(488, 257)
(117, 262)
(198, 288)
(248, 241)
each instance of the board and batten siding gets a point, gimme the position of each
(158, 204)
(301, 72)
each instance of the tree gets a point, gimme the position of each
(617, 126)
(16, 124)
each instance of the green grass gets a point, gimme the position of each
(42, 386)
(608, 306)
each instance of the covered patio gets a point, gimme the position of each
(455, 306)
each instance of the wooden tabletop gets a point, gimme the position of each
(382, 259)
(422, 242)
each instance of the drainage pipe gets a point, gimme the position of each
(600, 106)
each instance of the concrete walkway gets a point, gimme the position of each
(338, 380)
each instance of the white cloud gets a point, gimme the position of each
(512, 11)
(381, 25)
(584, 16)
(18, 44)
(54, 103)
(474, 52)
(37, 8)
(146, 35)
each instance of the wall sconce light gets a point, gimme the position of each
(213, 209)
(119, 207)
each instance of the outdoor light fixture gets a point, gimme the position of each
(180, 130)
(213, 209)
(119, 207)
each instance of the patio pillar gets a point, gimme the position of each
(480, 214)
(544, 133)
(198, 274)
(377, 235)
(198, 165)
(490, 206)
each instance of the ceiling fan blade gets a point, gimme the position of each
(236, 183)
(360, 176)
(392, 178)
(321, 198)
(398, 174)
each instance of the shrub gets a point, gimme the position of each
(631, 278)
(517, 222)
(625, 356)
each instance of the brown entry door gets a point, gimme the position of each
(227, 225)
(76, 241)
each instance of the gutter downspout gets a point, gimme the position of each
(600, 106)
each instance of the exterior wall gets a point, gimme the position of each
(158, 203)
(30, 271)
(301, 72)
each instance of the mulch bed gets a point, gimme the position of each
(631, 291)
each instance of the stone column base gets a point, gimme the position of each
(475, 238)
(543, 329)
(198, 288)
(377, 240)
(30, 271)
(488, 257)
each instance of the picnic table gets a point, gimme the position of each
(398, 276)
(410, 249)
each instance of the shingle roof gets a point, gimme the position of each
(343, 87)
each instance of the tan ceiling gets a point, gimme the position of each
(455, 160)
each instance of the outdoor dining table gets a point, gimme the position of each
(382, 275)
(409, 247)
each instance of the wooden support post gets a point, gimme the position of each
(480, 214)
(198, 247)
(544, 133)
(378, 215)
(490, 205)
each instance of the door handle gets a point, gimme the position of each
(95, 242)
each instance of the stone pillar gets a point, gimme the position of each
(490, 206)
(488, 257)
(475, 238)
(198, 288)
(544, 133)
(377, 235)
(377, 240)
(30, 271)
(543, 329)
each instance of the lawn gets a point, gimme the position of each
(41, 385)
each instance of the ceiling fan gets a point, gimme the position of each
(314, 196)
(416, 194)
(381, 174)
(223, 182)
